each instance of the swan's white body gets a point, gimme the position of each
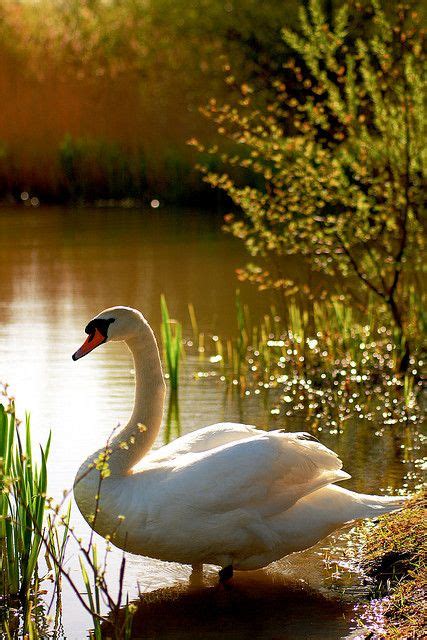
(228, 494)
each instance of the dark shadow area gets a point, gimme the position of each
(257, 606)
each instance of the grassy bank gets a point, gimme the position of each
(395, 559)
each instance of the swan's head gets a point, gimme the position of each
(114, 324)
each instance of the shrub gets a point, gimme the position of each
(340, 169)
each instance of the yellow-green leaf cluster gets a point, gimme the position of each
(334, 172)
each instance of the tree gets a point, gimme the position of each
(336, 174)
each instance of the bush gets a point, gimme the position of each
(341, 167)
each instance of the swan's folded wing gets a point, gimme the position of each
(268, 472)
(211, 437)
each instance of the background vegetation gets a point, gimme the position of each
(335, 171)
(99, 97)
(116, 87)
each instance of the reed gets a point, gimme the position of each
(171, 331)
(23, 484)
(172, 421)
(93, 592)
(220, 354)
(31, 526)
(193, 321)
(326, 344)
(408, 391)
(56, 543)
(96, 169)
(116, 623)
(242, 341)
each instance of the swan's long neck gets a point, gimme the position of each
(138, 436)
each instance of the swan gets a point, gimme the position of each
(228, 494)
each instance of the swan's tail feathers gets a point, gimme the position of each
(341, 475)
(372, 506)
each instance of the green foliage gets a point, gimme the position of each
(340, 169)
(171, 331)
(109, 38)
(133, 72)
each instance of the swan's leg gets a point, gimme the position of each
(196, 577)
(225, 574)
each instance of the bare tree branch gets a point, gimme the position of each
(357, 270)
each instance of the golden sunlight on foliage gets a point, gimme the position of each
(335, 173)
(119, 84)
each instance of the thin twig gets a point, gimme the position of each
(357, 270)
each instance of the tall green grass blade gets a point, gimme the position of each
(171, 332)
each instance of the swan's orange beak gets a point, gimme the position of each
(93, 341)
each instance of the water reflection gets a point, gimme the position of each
(172, 429)
(259, 605)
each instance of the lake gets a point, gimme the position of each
(60, 267)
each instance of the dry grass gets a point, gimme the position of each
(395, 557)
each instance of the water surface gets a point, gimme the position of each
(58, 268)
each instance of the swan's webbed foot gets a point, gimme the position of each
(225, 576)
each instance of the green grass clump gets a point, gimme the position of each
(395, 558)
(23, 485)
(323, 361)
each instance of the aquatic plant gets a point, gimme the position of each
(117, 619)
(198, 336)
(23, 484)
(323, 362)
(93, 592)
(171, 331)
(34, 526)
(243, 332)
(173, 421)
(30, 530)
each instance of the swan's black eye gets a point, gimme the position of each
(99, 324)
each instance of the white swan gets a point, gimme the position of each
(229, 494)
